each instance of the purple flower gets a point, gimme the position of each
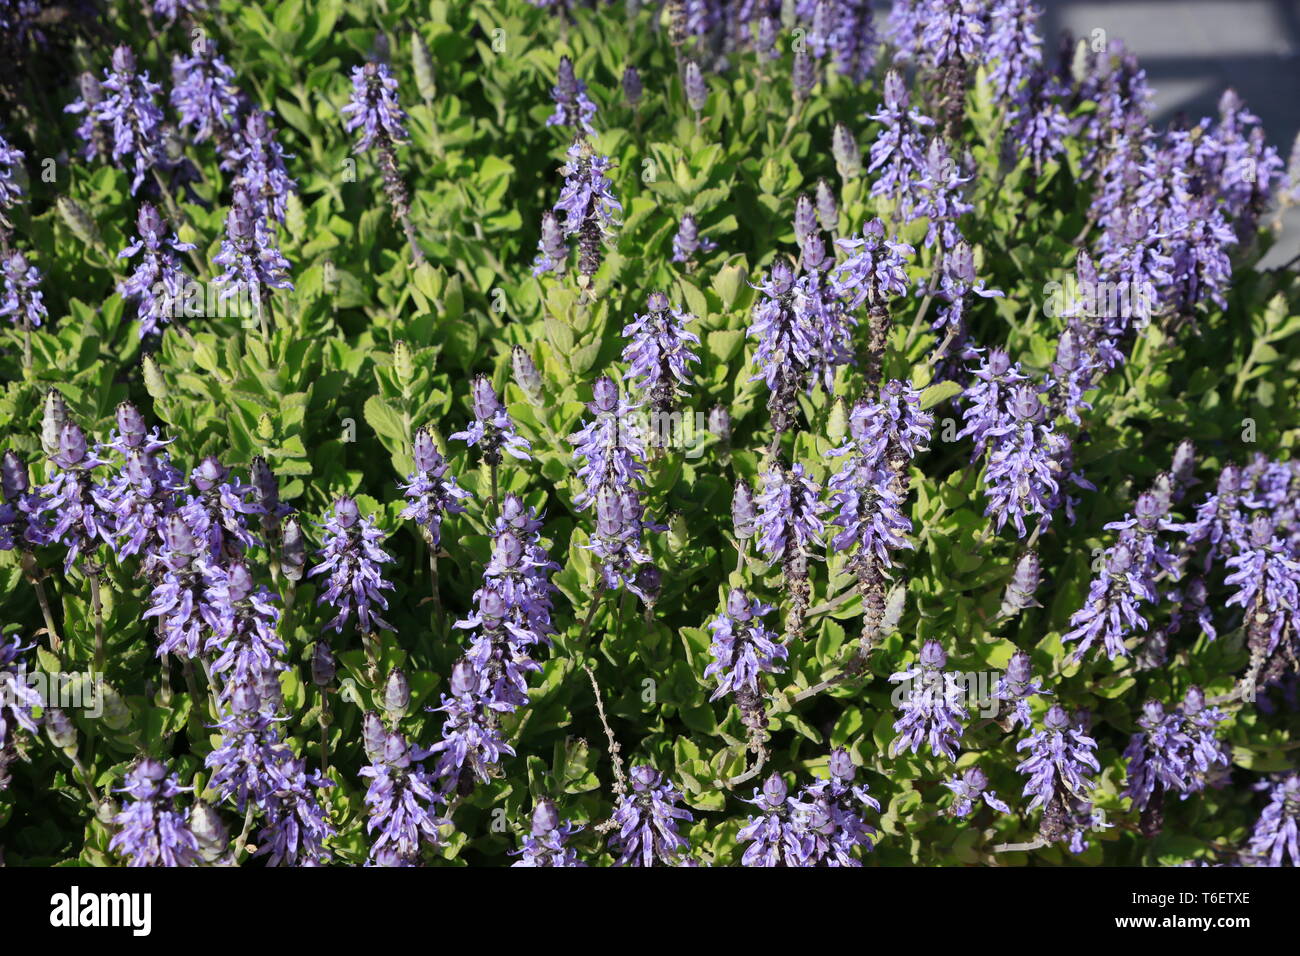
(545, 845)
(11, 161)
(261, 174)
(374, 109)
(17, 698)
(1174, 752)
(788, 344)
(1266, 574)
(552, 248)
(253, 766)
(1061, 758)
(688, 241)
(401, 800)
(774, 838)
(647, 817)
(1276, 834)
(659, 350)
(866, 494)
(157, 282)
(430, 491)
(1016, 686)
(875, 270)
(23, 301)
(632, 88)
(353, 559)
(129, 113)
(931, 708)
(150, 830)
(1127, 579)
(72, 500)
(492, 429)
(969, 789)
(249, 254)
(207, 98)
(899, 150)
(573, 107)
(181, 570)
(1028, 466)
(610, 452)
(743, 648)
(831, 813)
(218, 514)
(587, 204)
(243, 618)
(471, 744)
(1013, 45)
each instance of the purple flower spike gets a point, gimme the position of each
(647, 817)
(353, 560)
(492, 429)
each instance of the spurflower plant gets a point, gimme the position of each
(534, 434)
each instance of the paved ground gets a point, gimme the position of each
(1193, 49)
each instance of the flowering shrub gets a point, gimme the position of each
(553, 434)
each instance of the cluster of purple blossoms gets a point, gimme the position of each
(262, 175)
(1038, 124)
(866, 493)
(573, 107)
(938, 196)
(786, 344)
(931, 705)
(181, 570)
(658, 351)
(151, 831)
(17, 698)
(646, 818)
(1266, 575)
(688, 242)
(71, 500)
(875, 269)
(1015, 688)
(853, 38)
(1175, 751)
(1276, 835)
(130, 115)
(899, 151)
(373, 108)
(430, 491)
(512, 618)
(545, 845)
(589, 212)
(218, 513)
(352, 558)
(242, 620)
(610, 452)
(249, 254)
(22, 302)
(207, 99)
(472, 744)
(1014, 46)
(743, 649)
(157, 282)
(986, 399)
(492, 429)
(789, 526)
(969, 788)
(400, 798)
(11, 161)
(1061, 758)
(821, 825)
(257, 769)
(956, 282)
(1126, 581)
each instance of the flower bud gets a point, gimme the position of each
(52, 422)
(60, 729)
(527, 376)
(422, 66)
(397, 695)
(293, 550)
(210, 831)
